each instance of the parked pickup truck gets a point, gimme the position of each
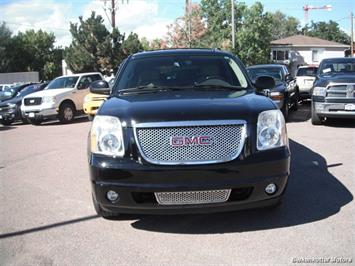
(333, 92)
(185, 131)
(61, 99)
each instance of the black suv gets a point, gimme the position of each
(333, 92)
(10, 110)
(184, 131)
(285, 93)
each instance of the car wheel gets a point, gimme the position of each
(297, 99)
(315, 119)
(104, 214)
(6, 122)
(285, 109)
(66, 113)
(24, 120)
(36, 122)
(91, 117)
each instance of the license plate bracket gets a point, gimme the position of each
(31, 115)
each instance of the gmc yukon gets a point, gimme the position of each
(185, 131)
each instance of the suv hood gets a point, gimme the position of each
(186, 106)
(323, 81)
(53, 92)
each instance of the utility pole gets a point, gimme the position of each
(113, 14)
(112, 10)
(352, 34)
(233, 26)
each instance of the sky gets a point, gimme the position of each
(147, 18)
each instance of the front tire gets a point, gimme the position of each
(285, 110)
(66, 113)
(6, 122)
(315, 119)
(36, 122)
(295, 104)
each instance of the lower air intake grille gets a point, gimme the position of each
(192, 197)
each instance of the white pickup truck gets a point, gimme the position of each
(62, 99)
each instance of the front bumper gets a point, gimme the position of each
(40, 114)
(136, 182)
(10, 114)
(335, 109)
(90, 108)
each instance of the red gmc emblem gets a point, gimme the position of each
(191, 141)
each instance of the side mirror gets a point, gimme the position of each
(289, 77)
(100, 87)
(264, 82)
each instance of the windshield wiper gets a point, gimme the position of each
(150, 88)
(218, 87)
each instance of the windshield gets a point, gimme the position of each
(180, 71)
(28, 90)
(341, 67)
(63, 82)
(274, 72)
(307, 71)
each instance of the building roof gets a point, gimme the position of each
(302, 40)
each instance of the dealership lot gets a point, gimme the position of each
(47, 217)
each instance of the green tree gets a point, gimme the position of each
(254, 36)
(34, 51)
(132, 44)
(283, 26)
(253, 29)
(217, 15)
(91, 48)
(145, 43)
(5, 43)
(328, 31)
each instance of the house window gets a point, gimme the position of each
(279, 55)
(315, 55)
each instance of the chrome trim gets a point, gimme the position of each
(331, 84)
(199, 197)
(187, 124)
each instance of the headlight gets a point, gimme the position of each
(48, 99)
(87, 98)
(106, 136)
(271, 130)
(319, 91)
(12, 105)
(276, 95)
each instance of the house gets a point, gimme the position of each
(298, 50)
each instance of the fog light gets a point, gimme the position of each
(112, 195)
(270, 189)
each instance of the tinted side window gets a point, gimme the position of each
(84, 82)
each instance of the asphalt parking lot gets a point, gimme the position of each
(46, 214)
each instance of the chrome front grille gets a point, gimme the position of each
(33, 101)
(192, 197)
(221, 141)
(341, 90)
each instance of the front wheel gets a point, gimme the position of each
(296, 100)
(315, 119)
(66, 113)
(36, 122)
(285, 109)
(6, 122)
